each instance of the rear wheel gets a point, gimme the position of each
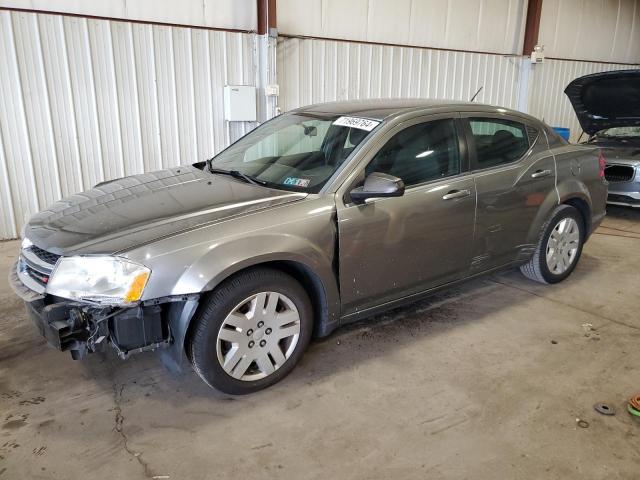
(559, 249)
(251, 332)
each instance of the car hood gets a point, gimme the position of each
(606, 100)
(121, 214)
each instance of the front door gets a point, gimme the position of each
(390, 248)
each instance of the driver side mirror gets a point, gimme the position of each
(378, 185)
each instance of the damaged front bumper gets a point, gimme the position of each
(81, 328)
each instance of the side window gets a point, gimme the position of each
(498, 141)
(420, 153)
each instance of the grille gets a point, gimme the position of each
(37, 264)
(37, 274)
(47, 257)
(618, 173)
(41, 278)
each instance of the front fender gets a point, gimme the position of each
(225, 259)
(302, 234)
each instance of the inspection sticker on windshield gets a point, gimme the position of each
(297, 182)
(356, 122)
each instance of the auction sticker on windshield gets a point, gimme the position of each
(356, 122)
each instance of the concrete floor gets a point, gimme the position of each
(485, 382)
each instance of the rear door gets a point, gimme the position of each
(514, 173)
(394, 247)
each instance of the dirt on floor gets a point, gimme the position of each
(488, 381)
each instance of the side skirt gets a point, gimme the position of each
(369, 312)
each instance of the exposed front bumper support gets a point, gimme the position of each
(82, 328)
(63, 325)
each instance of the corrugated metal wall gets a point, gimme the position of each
(85, 100)
(315, 70)
(229, 14)
(495, 26)
(547, 100)
(597, 30)
(311, 71)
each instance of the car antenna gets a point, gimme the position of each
(474, 97)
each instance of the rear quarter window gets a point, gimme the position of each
(533, 133)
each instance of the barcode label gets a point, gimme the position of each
(355, 122)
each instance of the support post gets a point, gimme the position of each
(267, 18)
(266, 45)
(524, 75)
(532, 26)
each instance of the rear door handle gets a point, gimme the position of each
(541, 173)
(456, 194)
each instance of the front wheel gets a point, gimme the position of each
(251, 332)
(559, 249)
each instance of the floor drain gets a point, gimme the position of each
(604, 409)
(582, 423)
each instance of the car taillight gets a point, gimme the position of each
(603, 163)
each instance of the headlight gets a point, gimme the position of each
(105, 280)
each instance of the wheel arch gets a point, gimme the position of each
(325, 314)
(571, 193)
(584, 209)
(314, 287)
(574, 192)
(323, 296)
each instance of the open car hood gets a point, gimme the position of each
(606, 100)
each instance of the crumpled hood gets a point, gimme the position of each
(606, 100)
(124, 213)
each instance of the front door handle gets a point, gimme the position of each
(541, 173)
(456, 194)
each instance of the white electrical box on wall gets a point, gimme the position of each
(240, 103)
(272, 90)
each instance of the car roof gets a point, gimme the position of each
(384, 109)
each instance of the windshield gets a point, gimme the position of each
(296, 152)
(620, 132)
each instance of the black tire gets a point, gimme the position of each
(203, 338)
(537, 268)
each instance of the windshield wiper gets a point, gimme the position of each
(235, 174)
